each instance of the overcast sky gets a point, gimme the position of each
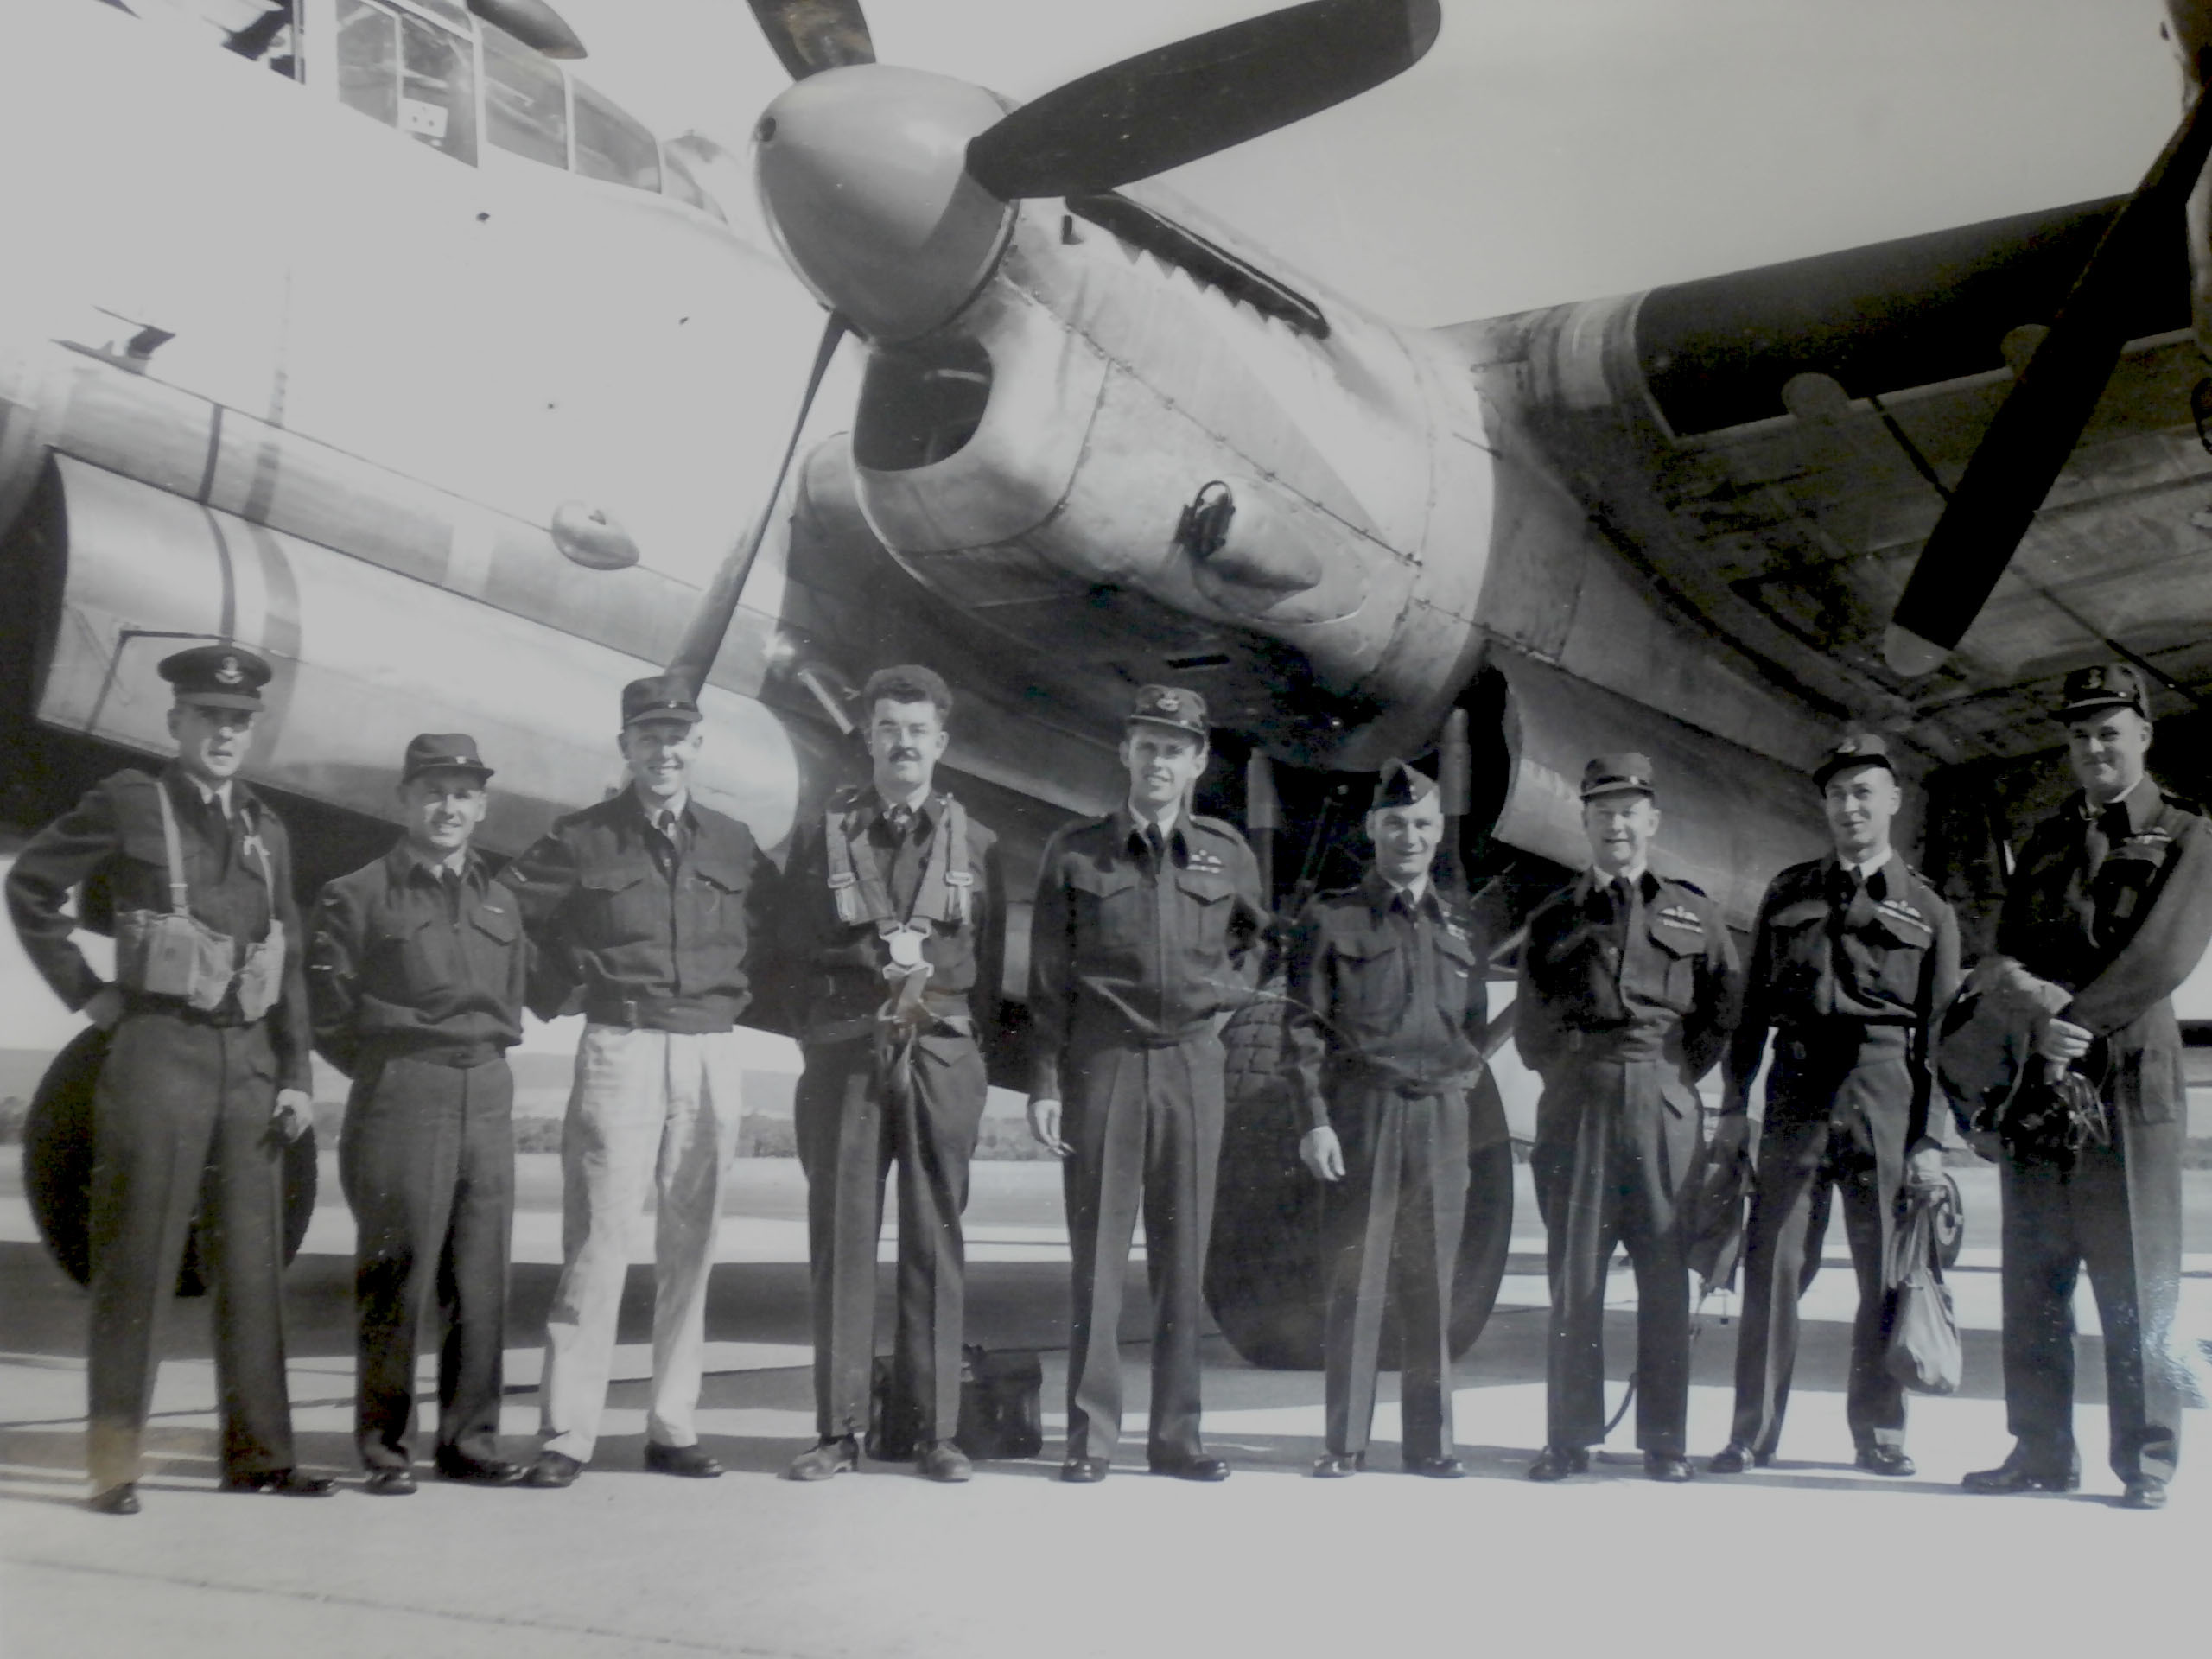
(1555, 149)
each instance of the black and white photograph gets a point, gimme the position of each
(1430, 781)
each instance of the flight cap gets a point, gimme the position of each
(1400, 786)
(1854, 749)
(664, 697)
(442, 751)
(2104, 685)
(216, 677)
(1170, 706)
(1610, 774)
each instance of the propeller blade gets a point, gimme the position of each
(533, 22)
(702, 640)
(811, 35)
(2043, 418)
(1210, 92)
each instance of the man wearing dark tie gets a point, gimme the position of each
(1854, 958)
(653, 902)
(888, 949)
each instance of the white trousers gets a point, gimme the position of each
(653, 1107)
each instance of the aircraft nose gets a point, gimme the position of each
(863, 179)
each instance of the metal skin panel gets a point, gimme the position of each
(340, 709)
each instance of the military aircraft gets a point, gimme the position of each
(1098, 439)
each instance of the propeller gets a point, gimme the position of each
(2043, 418)
(1179, 103)
(811, 35)
(533, 22)
(702, 640)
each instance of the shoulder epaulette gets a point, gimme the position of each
(1219, 826)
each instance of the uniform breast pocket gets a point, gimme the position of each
(615, 901)
(1676, 948)
(406, 952)
(1893, 949)
(1370, 980)
(1108, 906)
(2124, 882)
(1205, 906)
(716, 890)
(494, 935)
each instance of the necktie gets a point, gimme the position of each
(1156, 843)
(2101, 829)
(449, 884)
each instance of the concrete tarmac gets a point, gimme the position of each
(1810, 1555)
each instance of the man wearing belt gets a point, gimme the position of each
(209, 1065)
(889, 938)
(416, 975)
(651, 903)
(1854, 958)
(1387, 1009)
(2111, 903)
(1147, 931)
(1629, 989)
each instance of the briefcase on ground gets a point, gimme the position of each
(1000, 1416)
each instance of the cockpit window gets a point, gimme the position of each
(525, 106)
(676, 181)
(260, 31)
(613, 144)
(409, 74)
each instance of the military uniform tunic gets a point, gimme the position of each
(182, 1113)
(870, 1096)
(1135, 948)
(1850, 975)
(1628, 992)
(2116, 906)
(1388, 1004)
(417, 975)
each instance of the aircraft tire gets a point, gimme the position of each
(1263, 1270)
(58, 1167)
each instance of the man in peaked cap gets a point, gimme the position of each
(1629, 989)
(2111, 906)
(1387, 1008)
(1854, 958)
(653, 902)
(887, 945)
(210, 1050)
(1148, 931)
(416, 973)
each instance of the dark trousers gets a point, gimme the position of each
(1145, 1124)
(2123, 1224)
(427, 1162)
(181, 1120)
(1615, 1142)
(1853, 1139)
(855, 1118)
(1391, 1231)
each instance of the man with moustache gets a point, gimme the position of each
(1629, 989)
(653, 903)
(1854, 958)
(2110, 904)
(417, 974)
(889, 941)
(1387, 1010)
(1147, 933)
(209, 1066)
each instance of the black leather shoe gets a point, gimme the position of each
(686, 1460)
(389, 1482)
(1083, 1471)
(1735, 1458)
(1666, 1466)
(1888, 1460)
(553, 1470)
(1558, 1462)
(1200, 1467)
(1439, 1468)
(116, 1500)
(2144, 1492)
(281, 1483)
(2017, 1475)
(1338, 1465)
(834, 1454)
(943, 1460)
(479, 1472)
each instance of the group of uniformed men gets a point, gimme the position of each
(880, 946)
